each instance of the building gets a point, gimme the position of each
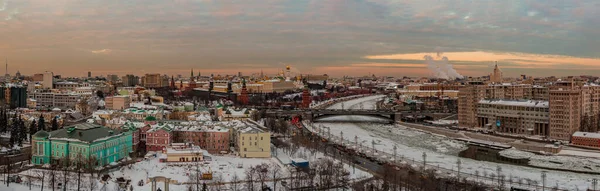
(574, 106)
(468, 97)
(84, 141)
(38, 77)
(253, 142)
(496, 76)
(14, 95)
(48, 81)
(117, 102)
(586, 139)
(112, 78)
(130, 80)
(66, 85)
(278, 86)
(51, 99)
(527, 117)
(153, 81)
(183, 152)
(159, 137)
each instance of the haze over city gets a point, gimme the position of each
(354, 37)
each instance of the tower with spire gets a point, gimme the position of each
(496, 76)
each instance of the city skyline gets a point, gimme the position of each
(333, 37)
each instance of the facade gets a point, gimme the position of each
(586, 139)
(574, 106)
(117, 102)
(216, 142)
(87, 142)
(152, 80)
(112, 78)
(48, 80)
(253, 142)
(496, 76)
(66, 85)
(468, 97)
(183, 152)
(525, 117)
(14, 96)
(159, 137)
(53, 99)
(279, 86)
(130, 80)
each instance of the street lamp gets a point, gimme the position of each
(395, 148)
(424, 160)
(498, 171)
(458, 165)
(543, 180)
(342, 137)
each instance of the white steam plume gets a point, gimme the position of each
(440, 66)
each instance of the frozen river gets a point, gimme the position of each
(441, 151)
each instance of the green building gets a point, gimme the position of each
(81, 142)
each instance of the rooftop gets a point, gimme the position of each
(523, 103)
(83, 132)
(586, 134)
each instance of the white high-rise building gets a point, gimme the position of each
(48, 80)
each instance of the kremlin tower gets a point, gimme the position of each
(243, 99)
(306, 99)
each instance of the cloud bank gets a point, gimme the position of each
(325, 36)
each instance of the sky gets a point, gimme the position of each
(334, 37)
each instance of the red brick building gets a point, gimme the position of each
(586, 139)
(215, 141)
(159, 137)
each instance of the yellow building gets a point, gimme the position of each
(182, 152)
(253, 142)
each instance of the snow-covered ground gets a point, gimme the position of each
(224, 167)
(441, 151)
(303, 153)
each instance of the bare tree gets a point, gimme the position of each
(65, 166)
(263, 174)
(53, 171)
(90, 167)
(234, 182)
(79, 164)
(250, 178)
(276, 175)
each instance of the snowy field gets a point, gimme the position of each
(223, 167)
(440, 151)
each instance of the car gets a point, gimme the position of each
(357, 162)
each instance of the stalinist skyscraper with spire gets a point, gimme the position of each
(496, 77)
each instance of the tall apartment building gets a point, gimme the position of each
(574, 106)
(14, 96)
(117, 102)
(468, 97)
(48, 80)
(112, 78)
(152, 80)
(130, 80)
(527, 117)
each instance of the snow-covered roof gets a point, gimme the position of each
(586, 134)
(523, 103)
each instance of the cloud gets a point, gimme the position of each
(102, 51)
(307, 34)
